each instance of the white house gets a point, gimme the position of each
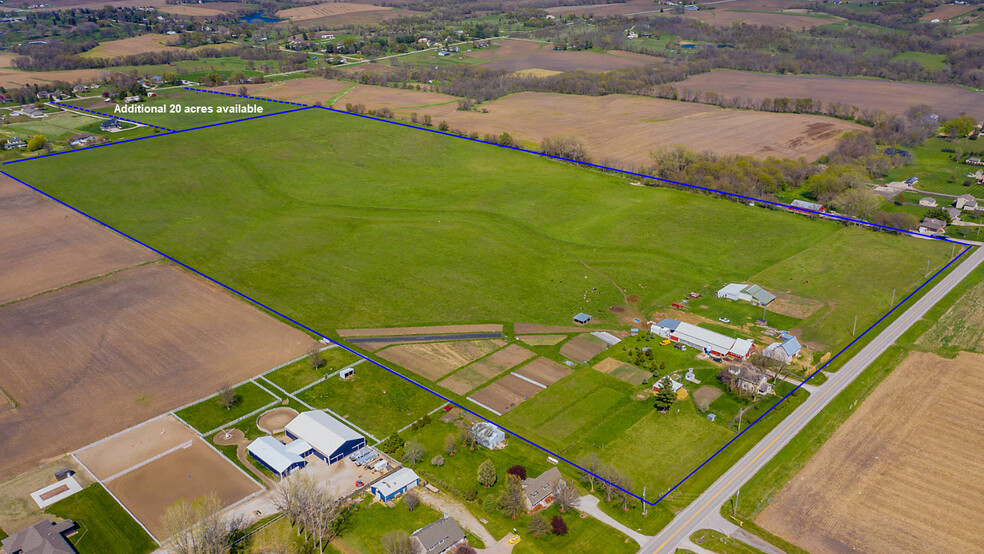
(927, 201)
(703, 339)
(749, 293)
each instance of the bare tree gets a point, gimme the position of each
(195, 527)
(538, 526)
(592, 463)
(625, 497)
(565, 497)
(310, 507)
(411, 500)
(243, 90)
(397, 542)
(450, 444)
(413, 452)
(469, 439)
(512, 501)
(228, 398)
(316, 359)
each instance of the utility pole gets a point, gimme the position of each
(953, 250)
(927, 269)
(893, 298)
(855, 331)
(643, 500)
(734, 507)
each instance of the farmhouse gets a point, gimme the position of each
(808, 206)
(539, 491)
(30, 111)
(973, 161)
(487, 434)
(784, 351)
(674, 385)
(439, 537)
(932, 226)
(746, 379)
(278, 457)
(703, 339)
(965, 202)
(749, 293)
(43, 538)
(330, 439)
(394, 484)
(927, 201)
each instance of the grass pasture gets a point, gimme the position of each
(300, 373)
(209, 413)
(104, 526)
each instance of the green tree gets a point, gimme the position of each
(36, 143)
(665, 397)
(486, 474)
(959, 127)
(538, 526)
(511, 500)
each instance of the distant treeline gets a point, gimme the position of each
(59, 55)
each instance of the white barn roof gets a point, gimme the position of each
(323, 432)
(275, 454)
(396, 481)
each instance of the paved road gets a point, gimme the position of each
(693, 517)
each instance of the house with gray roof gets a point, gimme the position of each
(784, 351)
(749, 293)
(440, 536)
(539, 491)
(42, 538)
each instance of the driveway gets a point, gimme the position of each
(453, 508)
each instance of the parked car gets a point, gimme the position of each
(680, 346)
(724, 320)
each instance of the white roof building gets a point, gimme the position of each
(331, 438)
(703, 339)
(398, 482)
(277, 456)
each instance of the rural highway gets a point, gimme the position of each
(708, 504)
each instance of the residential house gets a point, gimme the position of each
(953, 213)
(539, 491)
(15, 142)
(29, 111)
(110, 125)
(81, 140)
(965, 202)
(932, 226)
(439, 537)
(487, 434)
(747, 379)
(131, 99)
(42, 538)
(927, 201)
(974, 161)
(675, 385)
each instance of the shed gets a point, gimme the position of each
(808, 206)
(346, 372)
(927, 201)
(395, 484)
(331, 439)
(487, 434)
(582, 318)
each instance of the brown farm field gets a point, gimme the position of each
(867, 94)
(328, 9)
(901, 473)
(946, 11)
(201, 10)
(151, 42)
(475, 374)
(186, 473)
(133, 446)
(962, 326)
(544, 371)
(792, 21)
(583, 347)
(433, 360)
(632, 7)
(505, 394)
(92, 359)
(970, 40)
(47, 245)
(516, 55)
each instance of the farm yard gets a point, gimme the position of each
(866, 94)
(876, 474)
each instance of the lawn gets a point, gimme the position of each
(925, 59)
(300, 374)
(505, 235)
(183, 99)
(715, 541)
(373, 399)
(366, 524)
(104, 526)
(936, 171)
(209, 413)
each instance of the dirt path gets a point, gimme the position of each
(241, 454)
(464, 517)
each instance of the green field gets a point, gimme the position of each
(936, 171)
(183, 99)
(301, 374)
(351, 237)
(373, 399)
(104, 526)
(209, 414)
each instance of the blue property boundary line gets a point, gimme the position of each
(441, 396)
(71, 107)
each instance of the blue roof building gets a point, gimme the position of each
(395, 484)
(582, 318)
